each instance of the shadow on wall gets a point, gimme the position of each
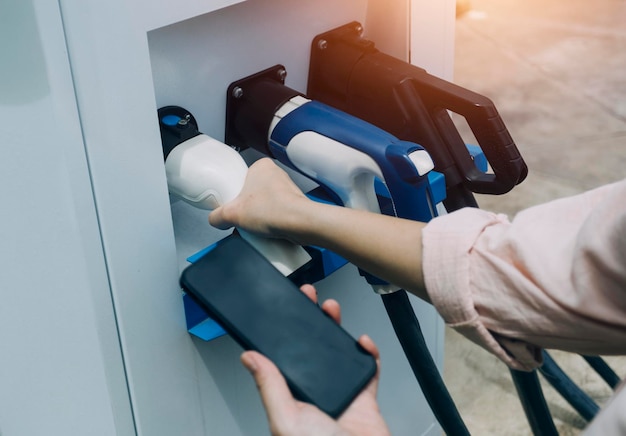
(23, 76)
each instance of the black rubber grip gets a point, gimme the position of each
(441, 96)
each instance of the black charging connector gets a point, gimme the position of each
(348, 72)
(250, 107)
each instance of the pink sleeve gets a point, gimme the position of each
(555, 277)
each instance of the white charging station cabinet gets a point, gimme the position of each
(92, 330)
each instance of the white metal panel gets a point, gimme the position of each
(61, 370)
(154, 14)
(177, 385)
(111, 70)
(432, 36)
(389, 27)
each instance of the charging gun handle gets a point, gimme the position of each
(425, 101)
(348, 72)
(439, 96)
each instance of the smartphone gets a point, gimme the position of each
(264, 311)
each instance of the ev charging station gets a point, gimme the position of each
(92, 324)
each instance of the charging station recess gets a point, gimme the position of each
(139, 373)
(178, 125)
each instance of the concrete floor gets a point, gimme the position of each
(556, 71)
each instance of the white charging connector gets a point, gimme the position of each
(207, 174)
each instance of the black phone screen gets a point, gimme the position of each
(264, 311)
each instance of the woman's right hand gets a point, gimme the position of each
(267, 205)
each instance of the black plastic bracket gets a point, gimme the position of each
(250, 106)
(183, 127)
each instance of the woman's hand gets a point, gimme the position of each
(288, 416)
(271, 205)
(268, 202)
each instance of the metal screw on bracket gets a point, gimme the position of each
(237, 92)
(322, 44)
(282, 73)
(184, 121)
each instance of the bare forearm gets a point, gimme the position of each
(270, 204)
(387, 247)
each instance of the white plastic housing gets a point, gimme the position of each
(348, 172)
(205, 172)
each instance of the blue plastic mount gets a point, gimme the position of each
(201, 325)
(480, 160)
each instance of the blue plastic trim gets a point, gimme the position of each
(194, 257)
(194, 314)
(480, 160)
(198, 322)
(331, 262)
(207, 330)
(170, 120)
(437, 183)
